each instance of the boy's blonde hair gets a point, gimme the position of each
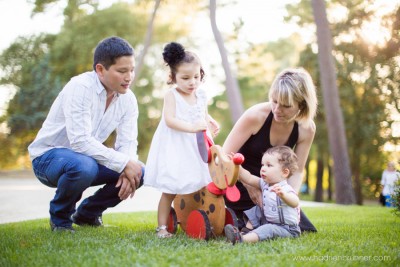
(286, 157)
(296, 85)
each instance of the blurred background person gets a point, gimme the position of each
(389, 178)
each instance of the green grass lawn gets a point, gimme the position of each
(348, 236)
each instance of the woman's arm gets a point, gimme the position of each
(302, 149)
(248, 124)
(175, 123)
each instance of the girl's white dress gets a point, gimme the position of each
(174, 164)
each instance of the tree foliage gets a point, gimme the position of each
(39, 66)
(368, 81)
(26, 65)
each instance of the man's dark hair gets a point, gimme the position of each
(109, 50)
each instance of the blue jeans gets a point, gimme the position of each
(388, 201)
(72, 173)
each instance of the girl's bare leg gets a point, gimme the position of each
(164, 208)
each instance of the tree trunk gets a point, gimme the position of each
(319, 191)
(147, 42)
(329, 182)
(334, 118)
(232, 86)
(358, 187)
(307, 180)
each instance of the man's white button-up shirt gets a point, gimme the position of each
(78, 120)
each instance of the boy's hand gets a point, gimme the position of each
(290, 198)
(278, 190)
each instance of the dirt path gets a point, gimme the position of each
(26, 198)
(23, 197)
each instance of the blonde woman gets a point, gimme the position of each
(286, 119)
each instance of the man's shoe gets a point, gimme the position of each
(55, 228)
(82, 221)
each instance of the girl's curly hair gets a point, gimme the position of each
(175, 54)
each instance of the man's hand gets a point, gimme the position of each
(129, 180)
(126, 187)
(133, 172)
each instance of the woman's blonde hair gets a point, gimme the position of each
(296, 85)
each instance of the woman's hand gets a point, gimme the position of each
(255, 194)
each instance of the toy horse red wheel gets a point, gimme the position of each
(202, 214)
(230, 217)
(172, 226)
(198, 225)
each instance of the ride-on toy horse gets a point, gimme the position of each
(203, 214)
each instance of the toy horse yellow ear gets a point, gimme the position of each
(224, 173)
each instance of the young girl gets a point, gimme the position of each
(279, 215)
(174, 165)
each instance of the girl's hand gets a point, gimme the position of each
(199, 126)
(213, 126)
